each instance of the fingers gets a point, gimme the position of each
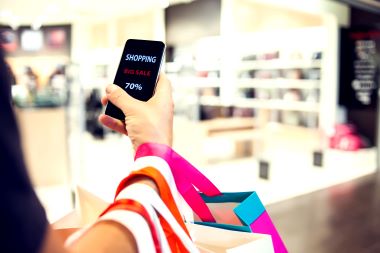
(104, 100)
(113, 124)
(163, 88)
(120, 98)
(163, 84)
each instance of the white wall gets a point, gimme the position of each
(100, 42)
(339, 10)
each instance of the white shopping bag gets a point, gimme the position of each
(89, 208)
(218, 240)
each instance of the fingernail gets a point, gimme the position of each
(110, 88)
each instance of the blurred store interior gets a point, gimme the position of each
(275, 96)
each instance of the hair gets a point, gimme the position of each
(5, 81)
(10, 143)
(19, 230)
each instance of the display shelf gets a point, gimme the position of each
(287, 74)
(280, 64)
(282, 81)
(278, 83)
(277, 104)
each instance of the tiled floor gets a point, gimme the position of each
(343, 218)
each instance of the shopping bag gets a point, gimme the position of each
(241, 211)
(250, 214)
(89, 206)
(215, 240)
(88, 209)
(207, 239)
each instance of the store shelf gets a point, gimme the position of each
(280, 64)
(278, 83)
(277, 104)
(260, 77)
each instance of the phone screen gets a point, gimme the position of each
(138, 71)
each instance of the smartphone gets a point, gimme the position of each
(138, 71)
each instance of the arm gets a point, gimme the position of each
(105, 236)
(145, 122)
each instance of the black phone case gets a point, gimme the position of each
(138, 71)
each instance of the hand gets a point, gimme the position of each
(150, 121)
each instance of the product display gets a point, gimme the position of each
(282, 84)
(346, 137)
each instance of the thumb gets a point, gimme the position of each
(163, 88)
(117, 96)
